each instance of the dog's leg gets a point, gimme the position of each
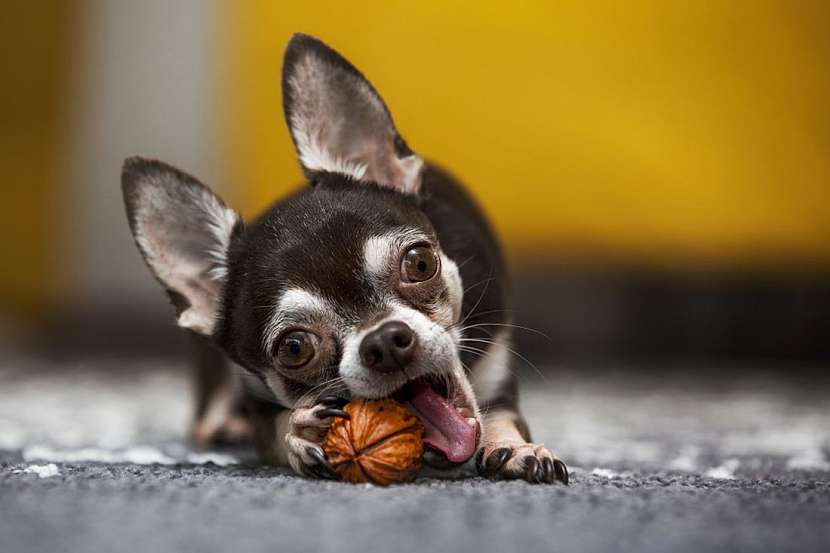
(507, 451)
(220, 412)
(294, 437)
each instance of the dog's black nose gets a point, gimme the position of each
(388, 348)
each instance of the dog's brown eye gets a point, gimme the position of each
(419, 264)
(296, 349)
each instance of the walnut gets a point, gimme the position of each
(381, 443)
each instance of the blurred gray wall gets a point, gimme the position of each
(145, 87)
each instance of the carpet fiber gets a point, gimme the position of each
(93, 459)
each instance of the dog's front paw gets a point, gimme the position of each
(307, 428)
(520, 461)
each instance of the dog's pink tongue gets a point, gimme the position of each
(445, 429)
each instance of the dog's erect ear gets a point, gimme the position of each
(183, 231)
(338, 121)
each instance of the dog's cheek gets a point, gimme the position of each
(454, 288)
(287, 391)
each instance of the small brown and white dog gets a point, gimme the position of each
(380, 278)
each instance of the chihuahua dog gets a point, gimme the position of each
(380, 278)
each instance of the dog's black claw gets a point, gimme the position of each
(325, 413)
(480, 461)
(561, 471)
(333, 401)
(313, 472)
(322, 468)
(497, 459)
(532, 468)
(318, 473)
(548, 472)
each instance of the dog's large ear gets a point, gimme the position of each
(183, 231)
(338, 121)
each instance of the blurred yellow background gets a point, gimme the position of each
(35, 71)
(659, 131)
(646, 132)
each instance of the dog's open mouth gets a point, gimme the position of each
(450, 425)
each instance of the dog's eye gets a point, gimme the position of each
(419, 264)
(296, 349)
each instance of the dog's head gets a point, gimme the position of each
(341, 288)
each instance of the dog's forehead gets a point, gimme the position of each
(380, 251)
(331, 243)
(344, 265)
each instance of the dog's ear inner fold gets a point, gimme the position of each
(338, 121)
(183, 230)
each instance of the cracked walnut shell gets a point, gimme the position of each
(381, 443)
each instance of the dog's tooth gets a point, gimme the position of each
(471, 421)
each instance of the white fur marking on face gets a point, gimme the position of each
(381, 253)
(376, 253)
(436, 354)
(491, 371)
(277, 387)
(298, 299)
(292, 302)
(455, 289)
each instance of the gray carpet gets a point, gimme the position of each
(92, 458)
